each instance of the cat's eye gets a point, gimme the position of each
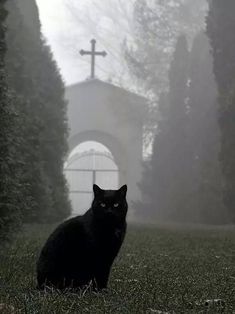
(103, 205)
(115, 205)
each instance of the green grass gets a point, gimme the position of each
(159, 268)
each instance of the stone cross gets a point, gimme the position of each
(93, 54)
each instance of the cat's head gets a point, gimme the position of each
(110, 204)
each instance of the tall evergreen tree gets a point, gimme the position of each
(175, 148)
(204, 134)
(167, 180)
(54, 134)
(34, 76)
(11, 201)
(22, 51)
(220, 28)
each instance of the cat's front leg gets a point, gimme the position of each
(101, 278)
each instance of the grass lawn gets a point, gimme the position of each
(160, 269)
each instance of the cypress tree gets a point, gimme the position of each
(54, 133)
(172, 153)
(166, 179)
(20, 59)
(204, 134)
(11, 201)
(34, 76)
(220, 29)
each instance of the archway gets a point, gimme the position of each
(109, 141)
(88, 163)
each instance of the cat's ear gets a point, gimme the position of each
(97, 190)
(123, 190)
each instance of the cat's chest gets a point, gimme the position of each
(110, 238)
(118, 234)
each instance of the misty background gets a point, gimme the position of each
(157, 115)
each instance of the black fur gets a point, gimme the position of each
(82, 249)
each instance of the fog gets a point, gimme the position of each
(150, 116)
(117, 156)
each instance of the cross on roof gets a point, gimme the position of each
(93, 53)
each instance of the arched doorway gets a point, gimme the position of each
(89, 163)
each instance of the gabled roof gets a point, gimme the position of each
(104, 84)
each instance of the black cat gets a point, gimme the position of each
(82, 249)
